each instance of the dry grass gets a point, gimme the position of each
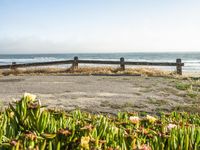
(87, 71)
(32, 71)
(148, 71)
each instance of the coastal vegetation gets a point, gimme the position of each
(26, 124)
(87, 71)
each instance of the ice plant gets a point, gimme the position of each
(26, 124)
(39, 103)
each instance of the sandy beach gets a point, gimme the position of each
(100, 93)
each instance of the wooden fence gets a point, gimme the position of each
(76, 61)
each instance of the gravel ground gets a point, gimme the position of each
(97, 93)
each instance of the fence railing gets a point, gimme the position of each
(76, 61)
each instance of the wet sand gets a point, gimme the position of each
(97, 93)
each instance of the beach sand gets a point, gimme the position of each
(100, 93)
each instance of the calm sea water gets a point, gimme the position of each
(191, 60)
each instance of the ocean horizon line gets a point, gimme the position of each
(146, 52)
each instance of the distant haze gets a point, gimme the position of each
(70, 26)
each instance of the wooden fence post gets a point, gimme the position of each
(13, 65)
(122, 65)
(178, 66)
(75, 63)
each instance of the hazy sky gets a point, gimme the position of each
(61, 26)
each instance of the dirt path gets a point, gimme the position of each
(97, 93)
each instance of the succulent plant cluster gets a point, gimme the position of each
(28, 125)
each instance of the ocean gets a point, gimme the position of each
(191, 59)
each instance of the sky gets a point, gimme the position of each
(70, 26)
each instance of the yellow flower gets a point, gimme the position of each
(115, 129)
(29, 97)
(85, 142)
(134, 119)
(151, 119)
(11, 115)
